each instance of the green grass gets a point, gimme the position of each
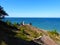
(53, 34)
(25, 31)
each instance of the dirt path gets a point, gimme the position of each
(45, 40)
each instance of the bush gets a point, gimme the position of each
(54, 32)
(8, 22)
(15, 24)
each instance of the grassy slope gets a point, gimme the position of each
(10, 36)
(28, 32)
(54, 36)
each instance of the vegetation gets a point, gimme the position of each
(15, 24)
(10, 35)
(54, 35)
(2, 13)
(8, 22)
(26, 33)
(54, 32)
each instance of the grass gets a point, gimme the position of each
(27, 33)
(53, 34)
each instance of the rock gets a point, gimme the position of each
(45, 40)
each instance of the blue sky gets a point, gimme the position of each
(31, 8)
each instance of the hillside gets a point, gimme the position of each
(30, 33)
(26, 35)
(8, 36)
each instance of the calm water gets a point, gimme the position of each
(43, 23)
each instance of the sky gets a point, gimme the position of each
(31, 8)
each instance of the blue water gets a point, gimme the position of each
(43, 23)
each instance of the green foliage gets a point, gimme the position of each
(54, 32)
(26, 33)
(34, 34)
(15, 24)
(8, 22)
(54, 35)
(21, 35)
(41, 34)
(2, 12)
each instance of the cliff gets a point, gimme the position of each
(26, 35)
(42, 37)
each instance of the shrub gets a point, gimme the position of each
(8, 22)
(15, 24)
(54, 32)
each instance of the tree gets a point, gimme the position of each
(2, 13)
